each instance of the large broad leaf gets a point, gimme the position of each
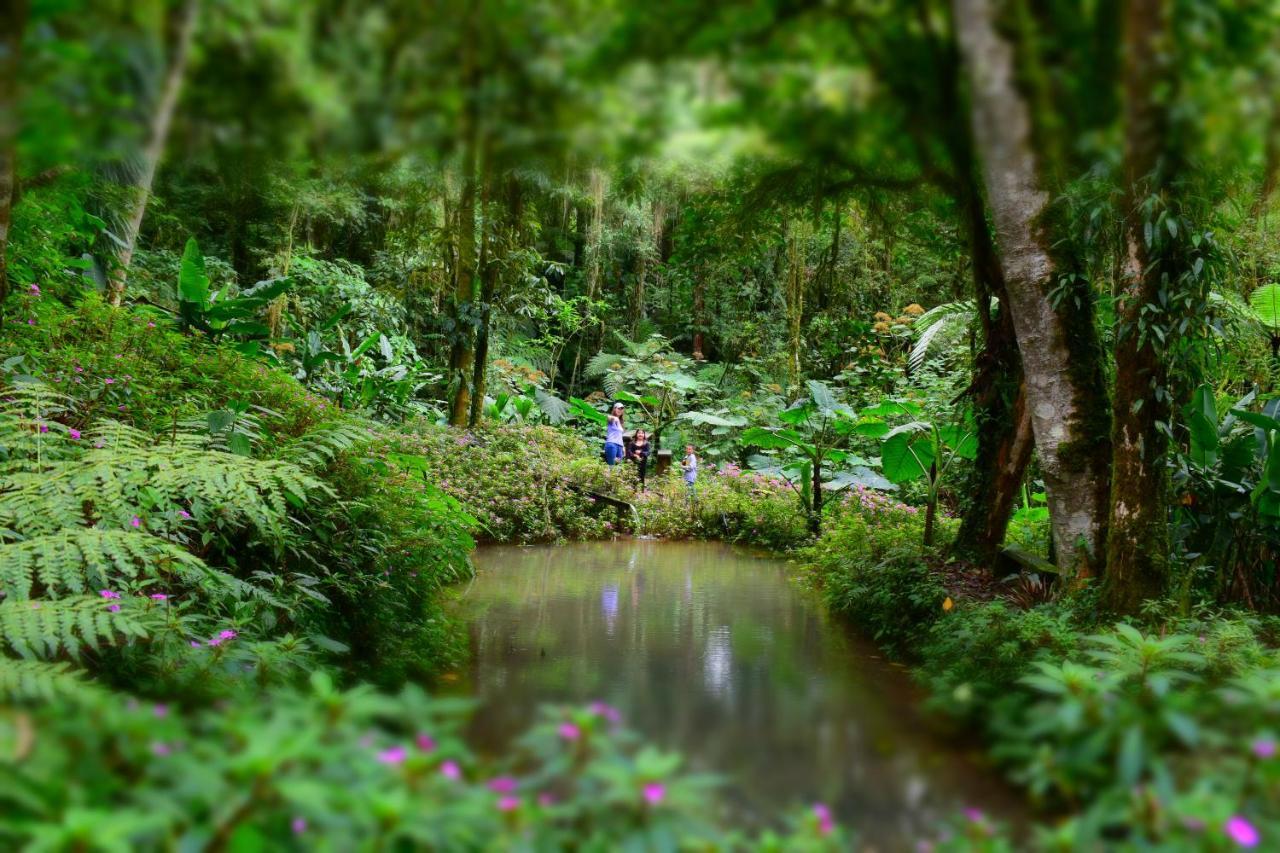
(714, 420)
(962, 442)
(798, 414)
(1202, 424)
(887, 408)
(859, 476)
(582, 409)
(907, 454)
(1265, 302)
(556, 410)
(822, 396)
(193, 281)
(774, 439)
(1263, 422)
(679, 381)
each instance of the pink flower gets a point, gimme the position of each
(31, 322)
(425, 742)
(114, 608)
(159, 596)
(825, 823)
(508, 804)
(35, 290)
(654, 793)
(546, 800)
(106, 593)
(450, 770)
(44, 428)
(182, 513)
(195, 644)
(570, 731)
(74, 433)
(392, 756)
(152, 326)
(502, 785)
(135, 521)
(1264, 748)
(601, 709)
(227, 635)
(160, 748)
(109, 381)
(299, 824)
(974, 815)
(1242, 832)
(161, 710)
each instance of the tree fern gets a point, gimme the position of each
(934, 325)
(46, 629)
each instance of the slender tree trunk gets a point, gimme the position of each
(13, 24)
(462, 355)
(488, 293)
(1138, 544)
(1061, 364)
(183, 28)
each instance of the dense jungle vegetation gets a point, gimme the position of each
(969, 307)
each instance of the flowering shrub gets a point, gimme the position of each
(320, 767)
(522, 483)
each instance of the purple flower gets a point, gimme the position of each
(160, 748)
(135, 521)
(109, 381)
(392, 756)
(152, 326)
(299, 824)
(450, 770)
(114, 608)
(31, 322)
(161, 710)
(159, 596)
(503, 785)
(825, 822)
(654, 793)
(570, 731)
(195, 644)
(974, 815)
(109, 594)
(74, 433)
(1242, 832)
(1264, 748)
(610, 713)
(508, 804)
(227, 635)
(425, 742)
(35, 290)
(182, 513)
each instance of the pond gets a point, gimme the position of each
(716, 652)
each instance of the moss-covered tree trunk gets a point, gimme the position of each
(13, 23)
(1061, 362)
(461, 354)
(1138, 548)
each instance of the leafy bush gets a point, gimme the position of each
(345, 770)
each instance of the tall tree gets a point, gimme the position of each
(180, 31)
(1056, 338)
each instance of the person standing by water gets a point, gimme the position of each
(613, 449)
(690, 466)
(639, 454)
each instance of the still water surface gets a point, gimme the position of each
(715, 652)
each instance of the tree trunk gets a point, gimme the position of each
(1138, 544)
(1005, 439)
(183, 28)
(815, 517)
(462, 355)
(1060, 358)
(488, 293)
(13, 24)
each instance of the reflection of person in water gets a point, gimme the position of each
(609, 606)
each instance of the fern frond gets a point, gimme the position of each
(25, 680)
(325, 442)
(45, 629)
(77, 561)
(603, 363)
(935, 323)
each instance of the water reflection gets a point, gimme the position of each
(714, 652)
